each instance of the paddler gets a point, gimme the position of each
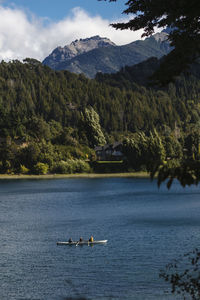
(91, 239)
(70, 240)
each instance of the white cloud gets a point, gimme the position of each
(22, 36)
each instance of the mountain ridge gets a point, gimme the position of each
(102, 55)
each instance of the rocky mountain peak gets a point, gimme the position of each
(84, 45)
(77, 47)
(160, 36)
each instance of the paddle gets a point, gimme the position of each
(77, 244)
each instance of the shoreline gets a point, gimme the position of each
(83, 175)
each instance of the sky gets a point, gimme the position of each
(34, 28)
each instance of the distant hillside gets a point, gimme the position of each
(49, 119)
(30, 90)
(105, 56)
(126, 76)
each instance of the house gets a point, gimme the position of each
(111, 152)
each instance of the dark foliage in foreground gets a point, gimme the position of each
(182, 17)
(184, 275)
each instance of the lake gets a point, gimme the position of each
(146, 228)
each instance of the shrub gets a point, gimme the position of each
(23, 170)
(71, 166)
(41, 168)
(62, 167)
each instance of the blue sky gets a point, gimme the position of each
(56, 10)
(34, 28)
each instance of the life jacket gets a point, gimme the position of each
(91, 239)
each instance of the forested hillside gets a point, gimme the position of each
(51, 116)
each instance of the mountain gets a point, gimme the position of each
(76, 48)
(96, 54)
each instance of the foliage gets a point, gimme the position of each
(41, 168)
(173, 147)
(165, 156)
(186, 171)
(91, 123)
(110, 167)
(182, 17)
(8, 151)
(71, 166)
(48, 116)
(23, 170)
(62, 167)
(186, 166)
(39, 103)
(144, 151)
(184, 275)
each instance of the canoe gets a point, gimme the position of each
(82, 243)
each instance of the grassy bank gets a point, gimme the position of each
(92, 175)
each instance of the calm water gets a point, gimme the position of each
(146, 228)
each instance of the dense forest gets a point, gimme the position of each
(50, 121)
